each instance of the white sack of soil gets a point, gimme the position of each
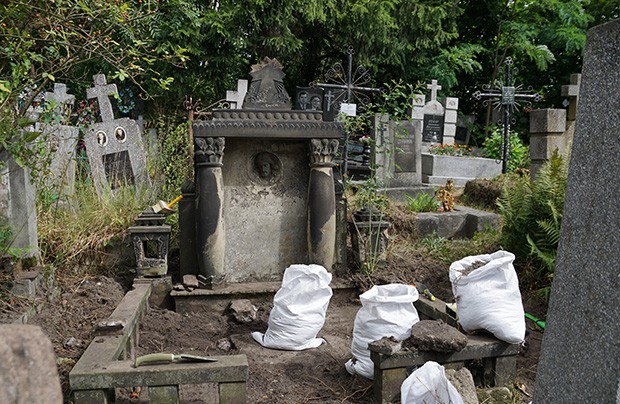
(299, 309)
(387, 311)
(429, 384)
(487, 295)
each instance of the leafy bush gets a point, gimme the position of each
(532, 216)
(519, 155)
(423, 202)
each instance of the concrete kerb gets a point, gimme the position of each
(107, 362)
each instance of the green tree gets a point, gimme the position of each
(70, 40)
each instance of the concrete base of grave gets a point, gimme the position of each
(436, 170)
(199, 300)
(463, 222)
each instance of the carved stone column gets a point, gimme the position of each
(322, 203)
(210, 236)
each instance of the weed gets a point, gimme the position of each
(423, 202)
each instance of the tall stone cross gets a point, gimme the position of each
(572, 92)
(505, 97)
(102, 91)
(434, 87)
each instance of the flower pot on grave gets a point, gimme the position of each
(369, 238)
(436, 169)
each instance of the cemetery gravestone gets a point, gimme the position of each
(235, 98)
(17, 204)
(114, 146)
(580, 350)
(438, 121)
(61, 144)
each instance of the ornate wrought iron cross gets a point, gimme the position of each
(506, 96)
(353, 83)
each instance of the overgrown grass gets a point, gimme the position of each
(423, 202)
(484, 242)
(78, 235)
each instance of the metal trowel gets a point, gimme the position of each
(168, 358)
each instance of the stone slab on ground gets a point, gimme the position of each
(434, 335)
(28, 366)
(580, 350)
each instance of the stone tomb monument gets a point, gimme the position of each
(264, 196)
(114, 146)
(580, 355)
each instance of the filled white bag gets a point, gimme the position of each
(387, 311)
(488, 297)
(299, 309)
(429, 385)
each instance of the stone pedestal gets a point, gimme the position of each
(547, 128)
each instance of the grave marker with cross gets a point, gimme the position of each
(505, 97)
(114, 146)
(346, 86)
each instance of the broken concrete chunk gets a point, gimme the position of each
(463, 381)
(435, 335)
(224, 344)
(386, 346)
(243, 311)
(190, 281)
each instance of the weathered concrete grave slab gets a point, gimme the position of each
(114, 146)
(28, 366)
(580, 350)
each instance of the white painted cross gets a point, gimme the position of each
(235, 98)
(434, 88)
(101, 92)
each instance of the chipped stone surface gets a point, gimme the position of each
(386, 345)
(435, 335)
(463, 381)
(28, 366)
(243, 311)
(190, 281)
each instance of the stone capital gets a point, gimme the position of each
(209, 151)
(322, 152)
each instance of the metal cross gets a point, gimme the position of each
(506, 97)
(353, 84)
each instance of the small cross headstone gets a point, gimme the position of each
(506, 97)
(235, 98)
(432, 130)
(114, 146)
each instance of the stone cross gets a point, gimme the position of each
(235, 98)
(572, 92)
(434, 87)
(506, 97)
(101, 91)
(60, 94)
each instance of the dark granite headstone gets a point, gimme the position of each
(266, 89)
(331, 103)
(580, 357)
(433, 129)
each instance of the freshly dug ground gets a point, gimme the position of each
(317, 375)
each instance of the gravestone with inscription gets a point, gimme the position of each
(579, 359)
(114, 146)
(438, 120)
(264, 187)
(61, 141)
